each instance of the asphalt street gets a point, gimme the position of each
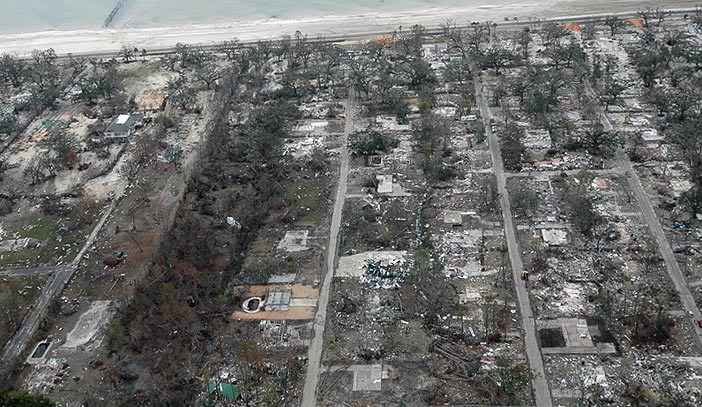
(542, 393)
(654, 225)
(316, 348)
(31, 321)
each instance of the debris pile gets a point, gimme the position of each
(388, 273)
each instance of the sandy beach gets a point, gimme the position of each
(112, 39)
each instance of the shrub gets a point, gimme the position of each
(370, 142)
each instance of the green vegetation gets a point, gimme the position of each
(511, 146)
(433, 136)
(17, 294)
(57, 234)
(22, 399)
(370, 142)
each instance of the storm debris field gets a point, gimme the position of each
(135, 149)
(422, 291)
(165, 221)
(597, 281)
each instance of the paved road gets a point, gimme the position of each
(34, 271)
(654, 225)
(314, 353)
(368, 35)
(542, 393)
(31, 321)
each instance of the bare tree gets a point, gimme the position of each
(649, 15)
(524, 39)
(497, 56)
(61, 147)
(230, 48)
(12, 70)
(552, 33)
(611, 92)
(104, 81)
(589, 32)
(127, 53)
(78, 64)
(181, 93)
(44, 76)
(614, 23)
(209, 73)
(129, 170)
(598, 141)
(360, 75)
(456, 36)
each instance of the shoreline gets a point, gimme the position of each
(105, 40)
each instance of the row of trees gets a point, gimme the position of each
(298, 61)
(40, 75)
(179, 316)
(59, 151)
(670, 66)
(561, 47)
(385, 65)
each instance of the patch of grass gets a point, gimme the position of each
(28, 287)
(34, 226)
(59, 236)
(17, 294)
(309, 200)
(24, 258)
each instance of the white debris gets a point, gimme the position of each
(233, 222)
(537, 139)
(390, 123)
(453, 218)
(554, 237)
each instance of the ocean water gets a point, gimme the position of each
(38, 15)
(21, 16)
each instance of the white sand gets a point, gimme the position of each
(111, 40)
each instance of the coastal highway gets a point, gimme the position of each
(367, 35)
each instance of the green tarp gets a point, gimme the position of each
(225, 390)
(49, 125)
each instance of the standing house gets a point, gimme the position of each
(124, 126)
